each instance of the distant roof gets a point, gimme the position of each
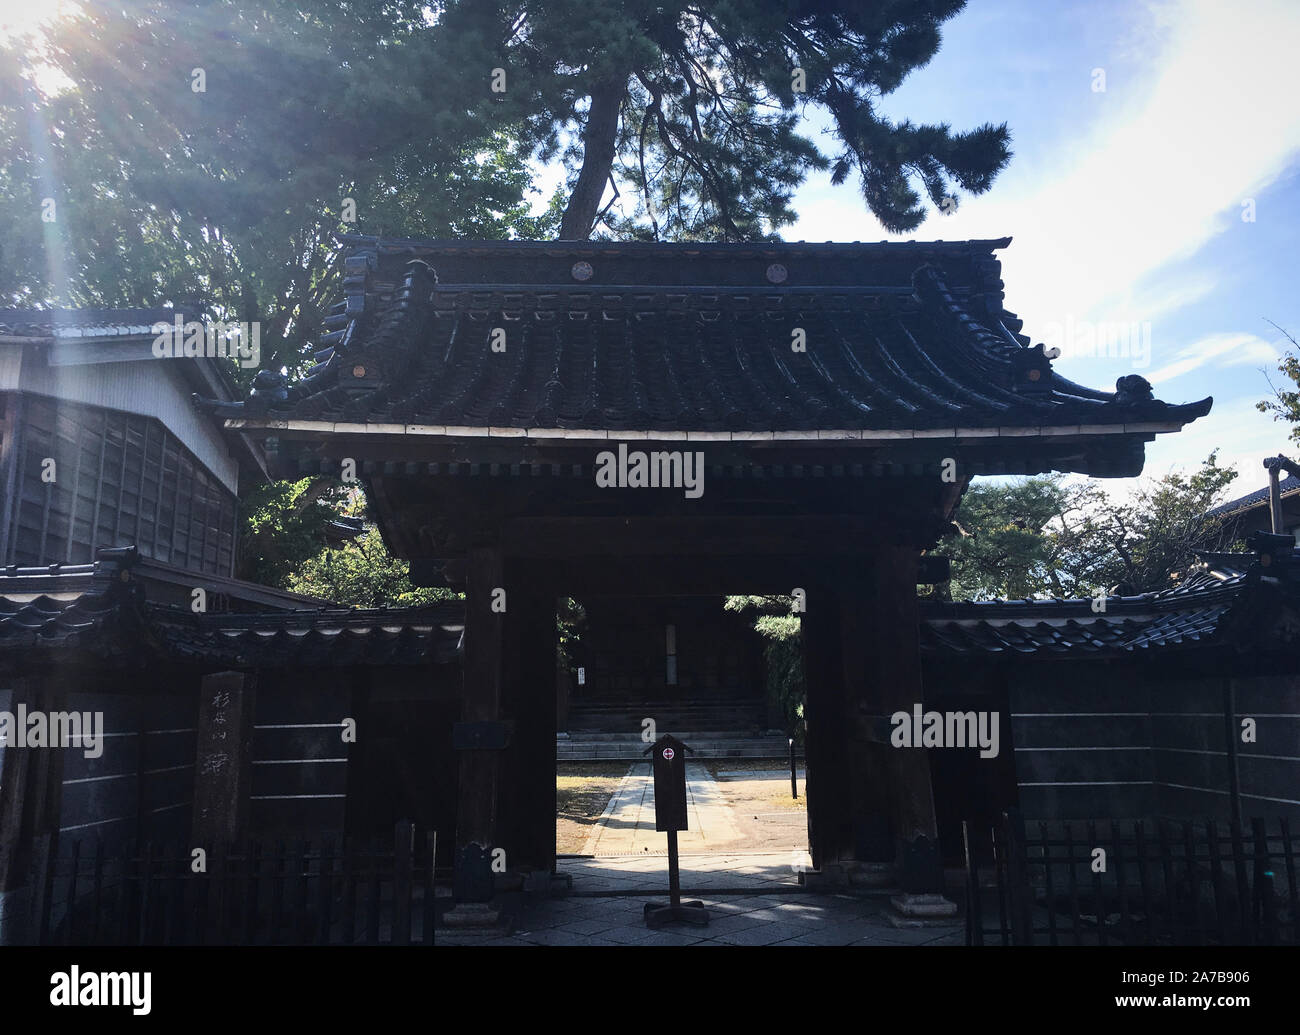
(1215, 605)
(1259, 498)
(612, 337)
(80, 323)
(89, 611)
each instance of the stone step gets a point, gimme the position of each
(763, 747)
(697, 719)
(602, 737)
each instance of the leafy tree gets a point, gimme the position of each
(694, 105)
(1285, 404)
(1156, 535)
(232, 195)
(778, 624)
(1045, 536)
(205, 151)
(282, 527)
(1001, 549)
(362, 573)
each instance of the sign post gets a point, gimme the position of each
(668, 762)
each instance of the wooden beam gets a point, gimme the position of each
(714, 535)
(671, 576)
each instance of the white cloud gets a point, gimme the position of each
(1224, 350)
(1162, 170)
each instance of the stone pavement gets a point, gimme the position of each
(605, 908)
(628, 824)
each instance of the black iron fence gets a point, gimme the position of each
(325, 892)
(1135, 883)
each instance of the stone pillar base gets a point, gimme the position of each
(543, 882)
(851, 874)
(873, 875)
(472, 915)
(922, 911)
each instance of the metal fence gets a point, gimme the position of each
(325, 892)
(1135, 883)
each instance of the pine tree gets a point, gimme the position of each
(696, 106)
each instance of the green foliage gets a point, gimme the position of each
(1045, 536)
(1001, 549)
(1155, 536)
(229, 199)
(282, 544)
(281, 526)
(694, 107)
(570, 622)
(1285, 404)
(777, 623)
(363, 573)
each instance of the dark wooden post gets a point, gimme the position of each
(870, 791)
(1232, 731)
(530, 701)
(896, 665)
(31, 797)
(480, 766)
(826, 784)
(1274, 500)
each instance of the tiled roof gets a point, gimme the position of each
(1259, 498)
(80, 323)
(687, 338)
(81, 621)
(1203, 609)
(326, 638)
(90, 609)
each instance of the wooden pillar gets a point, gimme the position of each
(1274, 501)
(563, 695)
(870, 790)
(1232, 731)
(31, 797)
(480, 731)
(895, 662)
(830, 828)
(530, 703)
(222, 760)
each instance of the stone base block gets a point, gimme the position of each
(872, 875)
(472, 915)
(922, 911)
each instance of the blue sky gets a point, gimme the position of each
(1126, 204)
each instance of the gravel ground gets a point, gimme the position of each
(582, 790)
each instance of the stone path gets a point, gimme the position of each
(628, 825)
(605, 908)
